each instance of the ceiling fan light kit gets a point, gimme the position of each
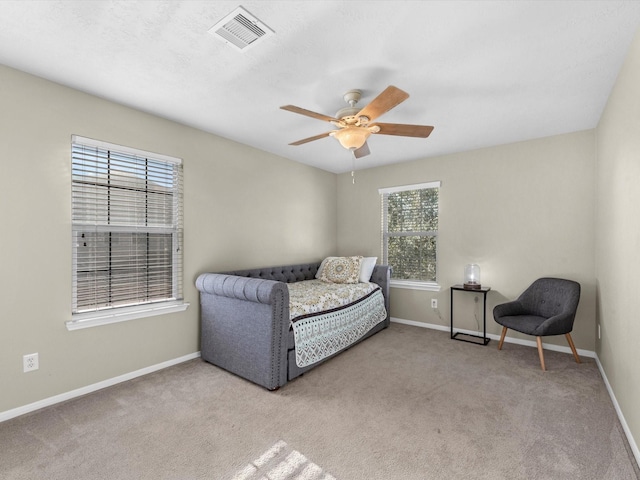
(354, 124)
(351, 138)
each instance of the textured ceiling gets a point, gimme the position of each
(482, 72)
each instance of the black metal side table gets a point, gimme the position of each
(483, 340)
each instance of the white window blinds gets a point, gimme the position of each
(127, 227)
(410, 230)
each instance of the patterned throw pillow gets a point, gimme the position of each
(341, 270)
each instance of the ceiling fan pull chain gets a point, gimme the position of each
(353, 168)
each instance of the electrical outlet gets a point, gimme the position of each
(30, 362)
(434, 303)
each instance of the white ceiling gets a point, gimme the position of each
(482, 72)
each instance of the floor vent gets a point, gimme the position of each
(241, 30)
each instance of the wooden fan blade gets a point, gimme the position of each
(363, 151)
(389, 98)
(308, 113)
(311, 139)
(403, 130)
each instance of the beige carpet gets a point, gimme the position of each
(408, 403)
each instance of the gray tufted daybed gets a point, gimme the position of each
(245, 323)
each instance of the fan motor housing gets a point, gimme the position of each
(348, 114)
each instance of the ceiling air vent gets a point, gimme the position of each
(241, 29)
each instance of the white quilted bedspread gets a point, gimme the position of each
(313, 296)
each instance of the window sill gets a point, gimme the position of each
(414, 285)
(95, 319)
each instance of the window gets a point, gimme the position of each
(410, 234)
(127, 233)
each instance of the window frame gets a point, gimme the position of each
(432, 286)
(101, 315)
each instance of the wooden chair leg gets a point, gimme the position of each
(573, 347)
(504, 333)
(540, 353)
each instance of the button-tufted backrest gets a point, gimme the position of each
(547, 297)
(288, 273)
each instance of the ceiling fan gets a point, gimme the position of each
(354, 123)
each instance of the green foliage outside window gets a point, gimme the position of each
(411, 233)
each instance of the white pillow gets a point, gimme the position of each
(366, 268)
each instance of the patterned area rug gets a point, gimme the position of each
(281, 462)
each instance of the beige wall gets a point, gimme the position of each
(618, 239)
(243, 208)
(521, 211)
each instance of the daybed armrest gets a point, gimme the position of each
(382, 276)
(245, 323)
(241, 288)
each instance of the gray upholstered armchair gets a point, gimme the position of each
(547, 307)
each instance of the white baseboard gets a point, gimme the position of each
(16, 412)
(623, 421)
(557, 348)
(518, 341)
